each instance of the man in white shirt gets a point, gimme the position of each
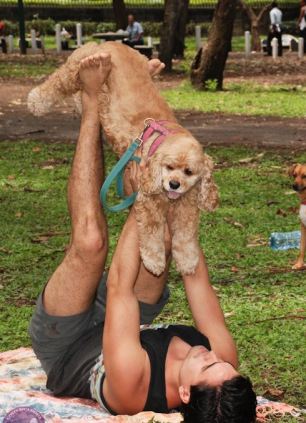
(275, 29)
(135, 32)
(302, 22)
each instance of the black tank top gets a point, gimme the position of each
(156, 343)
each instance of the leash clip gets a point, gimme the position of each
(139, 141)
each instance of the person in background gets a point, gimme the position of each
(302, 22)
(135, 31)
(275, 29)
(2, 37)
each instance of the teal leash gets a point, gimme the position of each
(117, 173)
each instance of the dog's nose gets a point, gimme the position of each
(174, 184)
(295, 187)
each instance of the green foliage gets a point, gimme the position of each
(211, 84)
(137, 3)
(256, 286)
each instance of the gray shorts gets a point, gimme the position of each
(52, 335)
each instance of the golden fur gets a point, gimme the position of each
(126, 99)
(298, 172)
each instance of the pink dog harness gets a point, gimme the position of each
(156, 126)
(151, 126)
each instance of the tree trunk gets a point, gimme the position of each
(254, 22)
(120, 14)
(210, 62)
(179, 40)
(173, 31)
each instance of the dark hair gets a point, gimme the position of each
(232, 402)
(274, 4)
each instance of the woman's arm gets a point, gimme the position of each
(207, 313)
(124, 357)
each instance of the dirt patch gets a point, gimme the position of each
(62, 124)
(17, 123)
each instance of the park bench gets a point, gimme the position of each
(288, 42)
(39, 43)
(146, 50)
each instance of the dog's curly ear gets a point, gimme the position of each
(151, 177)
(292, 169)
(208, 197)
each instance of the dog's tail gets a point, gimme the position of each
(64, 82)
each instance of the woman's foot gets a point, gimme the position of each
(93, 72)
(155, 66)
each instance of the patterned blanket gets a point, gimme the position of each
(23, 384)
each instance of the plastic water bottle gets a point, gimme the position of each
(285, 240)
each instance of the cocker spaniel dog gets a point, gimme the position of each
(177, 175)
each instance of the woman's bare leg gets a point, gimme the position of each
(72, 287)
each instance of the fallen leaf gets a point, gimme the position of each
(18, 214)
(293, 209)
(47, 167)
(29, 189)
(274, 393)
(44, 237)
(229, 314)
(11, 177)
(251, 159)
(272, 202)
(40, 240)
(233, 222)
(4, 250)
(257, 241)
(281, 212)
(36, 149)
(234, 269)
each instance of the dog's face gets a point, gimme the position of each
(181, 169)
(177, 166)
(298, 172)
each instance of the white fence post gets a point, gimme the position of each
(150, 43)
(301, 48)
(247, 43)
(79, 34)
(274, 48)
(58, 38)
(10, 44)
(33, 40)
(198, 37)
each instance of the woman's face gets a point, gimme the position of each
(203, 367)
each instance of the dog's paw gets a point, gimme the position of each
(154, 263)
(186, 265)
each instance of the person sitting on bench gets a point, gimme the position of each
(135, 32)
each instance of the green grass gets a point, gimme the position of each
(254, 283)
(24, 70)
(243, 98)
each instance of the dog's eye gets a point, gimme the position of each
(169, 167)
(188, 172)
(304, 177)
